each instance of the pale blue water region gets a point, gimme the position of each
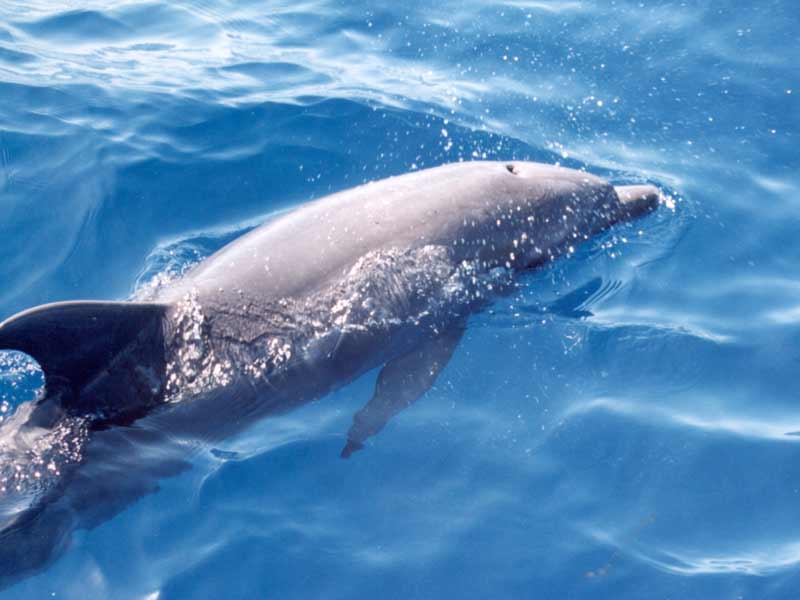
(624, 426)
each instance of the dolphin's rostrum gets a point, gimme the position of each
(383, 274)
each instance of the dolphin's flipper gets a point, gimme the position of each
(400, 383)
(116, 349)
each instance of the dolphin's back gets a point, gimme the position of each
(301, 251)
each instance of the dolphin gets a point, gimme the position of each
(381, 275)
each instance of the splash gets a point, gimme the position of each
(32, 458)
(386, 288)
(258, 339)
(192, 364)
(165, 266)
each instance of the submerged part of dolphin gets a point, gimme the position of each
(383, 274)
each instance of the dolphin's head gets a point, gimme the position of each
(529, 212)
(551, 189)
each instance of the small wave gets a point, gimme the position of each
(780, 428)
(695, 325)
(278, 74)
(760, 561)
(77, 25)
(548, 7)
(14, 57)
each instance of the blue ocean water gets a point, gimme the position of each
(625, 426)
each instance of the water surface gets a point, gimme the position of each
(624, 426)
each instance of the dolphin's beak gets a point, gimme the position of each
(637, 200)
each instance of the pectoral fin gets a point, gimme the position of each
(400, 383)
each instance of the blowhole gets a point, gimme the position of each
(512, 169)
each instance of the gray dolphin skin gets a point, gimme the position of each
(382, 275)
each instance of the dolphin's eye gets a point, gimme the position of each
(512, 169)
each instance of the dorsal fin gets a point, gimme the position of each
(102, 347)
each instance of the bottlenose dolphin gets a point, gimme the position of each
(384, 274)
